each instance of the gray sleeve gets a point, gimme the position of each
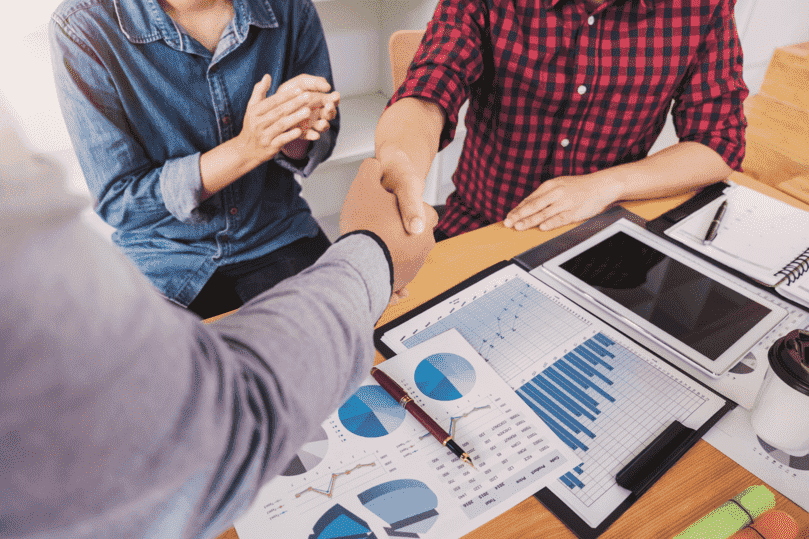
(300, 350)
(126, 416)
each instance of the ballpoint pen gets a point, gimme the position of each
(713, 229)
(407, 402)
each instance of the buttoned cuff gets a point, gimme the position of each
(181, 187)
(373, 264)
(318, 153)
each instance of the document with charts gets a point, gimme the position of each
(604, 396)
(374, 472)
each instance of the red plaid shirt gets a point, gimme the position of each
(559, 88)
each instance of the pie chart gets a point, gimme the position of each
(445, 376)
(797, 462)
(407, 505)
(371, 413)
(309, 455)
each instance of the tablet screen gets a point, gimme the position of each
(688, 305)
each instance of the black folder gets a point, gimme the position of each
(643, 471)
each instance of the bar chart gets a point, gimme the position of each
(602, 394)
(605, 402)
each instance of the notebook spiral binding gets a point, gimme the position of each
(796, 268)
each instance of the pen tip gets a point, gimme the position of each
(467, 459)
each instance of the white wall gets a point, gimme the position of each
(27, 85)
(354, 41)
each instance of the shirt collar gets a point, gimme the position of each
(646, 5)
(144, 21)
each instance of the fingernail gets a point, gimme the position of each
(416, 225)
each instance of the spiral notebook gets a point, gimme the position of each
(759, 236)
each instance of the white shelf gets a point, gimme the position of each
(358, 118)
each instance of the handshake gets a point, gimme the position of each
(296, 114)
(368, 206)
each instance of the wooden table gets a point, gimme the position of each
(702, 480)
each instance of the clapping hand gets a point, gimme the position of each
(300, 109)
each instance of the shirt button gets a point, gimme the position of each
(234, 210)
(591, 20)
(225, 120)
(582, 89)
(565, 143)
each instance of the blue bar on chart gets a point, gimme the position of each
(571, 480)
(604, 401)
(569, 395)
(559, 393)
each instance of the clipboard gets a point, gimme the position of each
(656, 458)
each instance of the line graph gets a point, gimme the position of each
(509, 314)
(453, 420)
(330, 490)
(510, 326)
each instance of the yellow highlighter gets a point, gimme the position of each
(732, 516)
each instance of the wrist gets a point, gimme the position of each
(612, 182)
(397, 168)
(390, 155)
(246, 156)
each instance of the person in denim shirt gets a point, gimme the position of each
(189, 119)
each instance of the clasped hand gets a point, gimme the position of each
(368, 206)
(301, 108)
(564, 200)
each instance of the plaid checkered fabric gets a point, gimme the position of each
(565, 87)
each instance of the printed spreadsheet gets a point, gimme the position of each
(603, 395)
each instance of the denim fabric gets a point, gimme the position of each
(142, 100)
(233, 285)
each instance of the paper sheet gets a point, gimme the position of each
(759, 235)
(538, 342)
(374, 473)
(789, 474)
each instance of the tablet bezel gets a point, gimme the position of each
(714, 368)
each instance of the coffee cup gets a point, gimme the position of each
(781, 415)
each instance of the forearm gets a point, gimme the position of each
(295, 355)
(223, 165)
(410, 127)
(676, 169)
